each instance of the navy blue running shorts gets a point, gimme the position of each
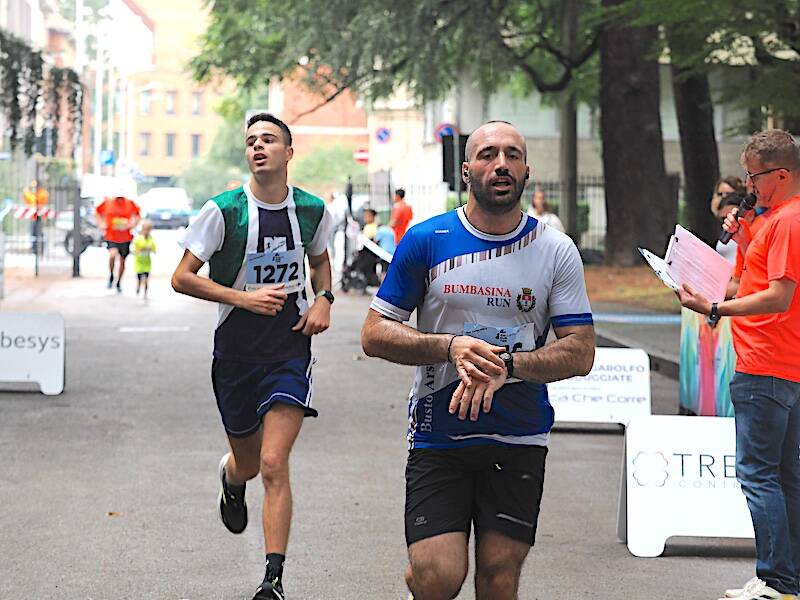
(246, 391)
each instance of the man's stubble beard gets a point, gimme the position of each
(493, 204)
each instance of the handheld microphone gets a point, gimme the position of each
(747, 203)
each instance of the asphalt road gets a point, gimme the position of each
(108, 491)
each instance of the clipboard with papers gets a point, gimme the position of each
(689, 260)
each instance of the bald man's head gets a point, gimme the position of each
(496, 168)
(481, 131)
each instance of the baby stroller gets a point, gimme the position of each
(360, 272)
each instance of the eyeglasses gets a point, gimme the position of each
(752, 176)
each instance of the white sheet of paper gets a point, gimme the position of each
(659, 267)
(691, 261)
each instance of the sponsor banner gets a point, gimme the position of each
(679, 479)
(615, 391)
(2, 263)
(32, 350)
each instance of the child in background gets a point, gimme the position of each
(143, 246)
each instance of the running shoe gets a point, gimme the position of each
(270, 590)
(110, 281)
(232, 507)
(756, 589)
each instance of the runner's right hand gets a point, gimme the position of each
(475, 359)
(267, 300)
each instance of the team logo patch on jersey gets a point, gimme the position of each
(525, 300)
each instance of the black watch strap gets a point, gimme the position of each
(508, 359)
(714, 316)
(327, 294)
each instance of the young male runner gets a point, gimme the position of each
(255, 239)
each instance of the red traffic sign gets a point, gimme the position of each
(444, 129)
(361, 156)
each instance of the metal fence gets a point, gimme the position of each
(35, 236)
(430, 200)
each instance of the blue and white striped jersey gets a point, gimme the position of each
(506, 289)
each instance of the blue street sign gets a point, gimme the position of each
(444, 130)
(107, 158)
(383, 134)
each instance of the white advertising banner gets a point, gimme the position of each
(679, 479)
(616, 390)
(2, 263)
(32, 350)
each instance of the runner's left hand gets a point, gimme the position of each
(470, 399)
(317, 318)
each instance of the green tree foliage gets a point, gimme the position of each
(204, 179)
(373, 46)
(761, 37)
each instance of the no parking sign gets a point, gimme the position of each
(445, 130)
(383, 134)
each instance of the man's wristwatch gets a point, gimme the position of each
(714, 317)
(324, 294)
(508, 358)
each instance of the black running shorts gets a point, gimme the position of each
(498, 488)
(124, 248)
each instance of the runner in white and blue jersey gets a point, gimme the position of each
(256, 239)
(487, 283)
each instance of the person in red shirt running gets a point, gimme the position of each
(401, 215)
(765, 390)
(117, 216)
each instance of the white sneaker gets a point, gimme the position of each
(757, 589)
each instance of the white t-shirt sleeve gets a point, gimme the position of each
(569, 304)
(204, 237)
(320, 242)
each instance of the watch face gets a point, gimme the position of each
(505, 355)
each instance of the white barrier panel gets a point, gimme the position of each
(616, 390)
(2, 263)
(679, 479)
(32, 349)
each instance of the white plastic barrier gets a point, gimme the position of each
(2, 262)
(679, 479)
(32, 349)
(615, 391)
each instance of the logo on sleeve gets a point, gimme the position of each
(525, 300)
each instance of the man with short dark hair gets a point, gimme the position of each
(256, 239)
(401, 215)
(487, 281)
(765, 390)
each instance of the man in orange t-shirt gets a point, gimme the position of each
(765, 389)
(117, 216)
(401, 215)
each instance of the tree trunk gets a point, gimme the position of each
(699, 152)
(639, 209)
(568, 113)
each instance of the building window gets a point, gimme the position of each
(196, 145)
(144, 144)
(197, 103)
(172, 100)
(145, 100)
(170, 144)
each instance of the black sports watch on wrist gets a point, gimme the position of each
(508, 358)
(714, 317)
(327, 294)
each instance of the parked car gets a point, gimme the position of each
(166, 207)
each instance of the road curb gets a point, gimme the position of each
(664, 364)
